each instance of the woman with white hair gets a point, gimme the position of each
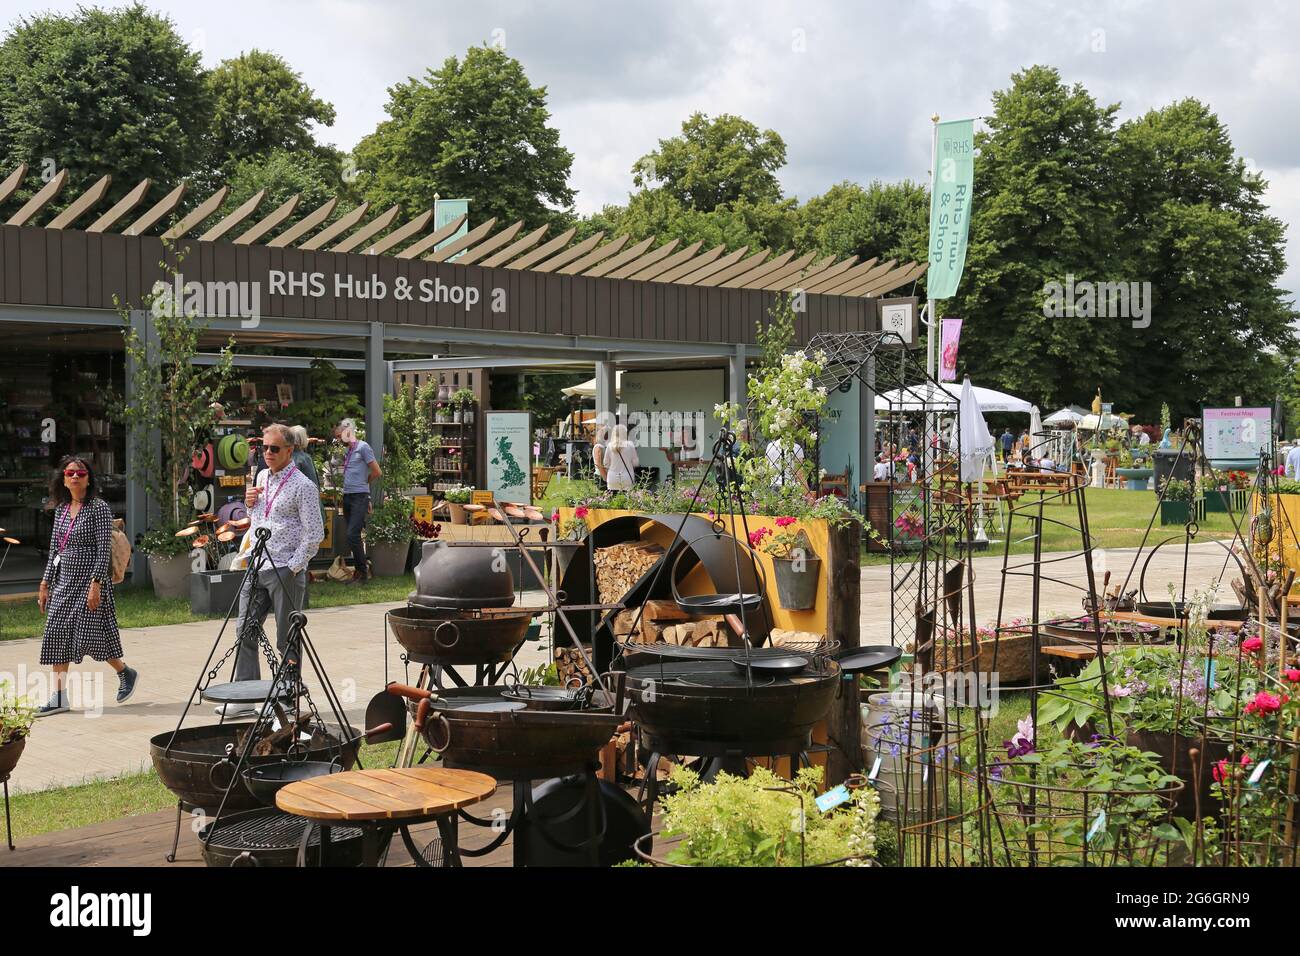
(617, 461)
(300, 456)
(360, 468)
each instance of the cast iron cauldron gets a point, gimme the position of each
(453, 636)
(192, 763)
(465, 576)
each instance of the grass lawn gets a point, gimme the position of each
(129, 795)
(137, 607)
(1116, 519)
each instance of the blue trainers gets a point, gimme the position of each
(126, 681)
(57, 704)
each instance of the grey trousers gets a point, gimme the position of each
(276, 589)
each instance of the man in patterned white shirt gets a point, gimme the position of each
(288, 503)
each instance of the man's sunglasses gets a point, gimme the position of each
(273, 449)
(74, 473)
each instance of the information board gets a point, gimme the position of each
(509, 455)
(1237, 433)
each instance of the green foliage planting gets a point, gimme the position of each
(474, 129)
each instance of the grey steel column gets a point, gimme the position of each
(606, 391)
(377, 387)
(737, 382)
(867, 436)
(140, 511)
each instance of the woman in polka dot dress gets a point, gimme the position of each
(76, 591)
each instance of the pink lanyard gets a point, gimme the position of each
(71, 524)
(347, 458)
(270, 498)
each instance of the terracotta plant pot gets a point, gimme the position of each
(458, 513)
(9, 754)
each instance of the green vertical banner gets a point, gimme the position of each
(445, 211)
(950, 195)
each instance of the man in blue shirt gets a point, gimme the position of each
(359, 469)
(1008, 440)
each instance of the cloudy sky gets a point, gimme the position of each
(849, 85)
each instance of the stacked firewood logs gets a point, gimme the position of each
(620, 566)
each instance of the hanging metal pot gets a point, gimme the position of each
(466, 577)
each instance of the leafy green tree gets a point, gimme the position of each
(331, 401)
(884, 220)
(1044, 207)
(476, 129)
(715, 162)
(1195, 227)
(260, 105)
(98, 91)
(656, 212)
(284, 173)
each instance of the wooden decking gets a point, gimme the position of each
(145, 841)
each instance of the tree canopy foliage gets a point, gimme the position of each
(474, 129)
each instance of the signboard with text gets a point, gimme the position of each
(509, 455)
(1237, 433)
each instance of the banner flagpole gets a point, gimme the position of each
(930, 324)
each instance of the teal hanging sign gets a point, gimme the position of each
(950, 195)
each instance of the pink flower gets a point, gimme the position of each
(1292, 674)
(756, 537)
(785, 522)
(1251, 644)
(1265, 703)
(581, 512)
(555, 515)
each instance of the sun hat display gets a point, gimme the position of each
(203, 499)
(204, 460)
(232, 511)
(232, 452)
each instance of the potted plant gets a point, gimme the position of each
(176, 399)
(170, 562)
(457, 497)
(16, 716)
(1229, 494)
(463, 399)
(746, 821)
(1176, 503)
(388, 536)
(442, 412)
(797, 566)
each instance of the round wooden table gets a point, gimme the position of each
(385, 800)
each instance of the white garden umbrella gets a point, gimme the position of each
(931, 397)
(587, 389)
(975, 439)
(1070, 415)
(1035, 422)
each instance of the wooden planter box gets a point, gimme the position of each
(1234, 500)
(1181, 512)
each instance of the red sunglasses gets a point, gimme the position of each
(74, 473)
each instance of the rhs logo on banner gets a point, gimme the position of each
(948, 350)
(950, 194)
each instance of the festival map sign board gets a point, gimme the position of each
(509, 437)
(1237, 433)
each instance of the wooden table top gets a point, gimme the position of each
(385, 794)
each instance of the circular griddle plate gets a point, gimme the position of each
(243, 692)
(873, 657)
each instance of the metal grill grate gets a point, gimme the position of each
(272, 830)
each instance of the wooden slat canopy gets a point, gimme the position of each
(488, 245)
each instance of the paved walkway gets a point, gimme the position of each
(108, 740)
(102, 741)
(1064, 594)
